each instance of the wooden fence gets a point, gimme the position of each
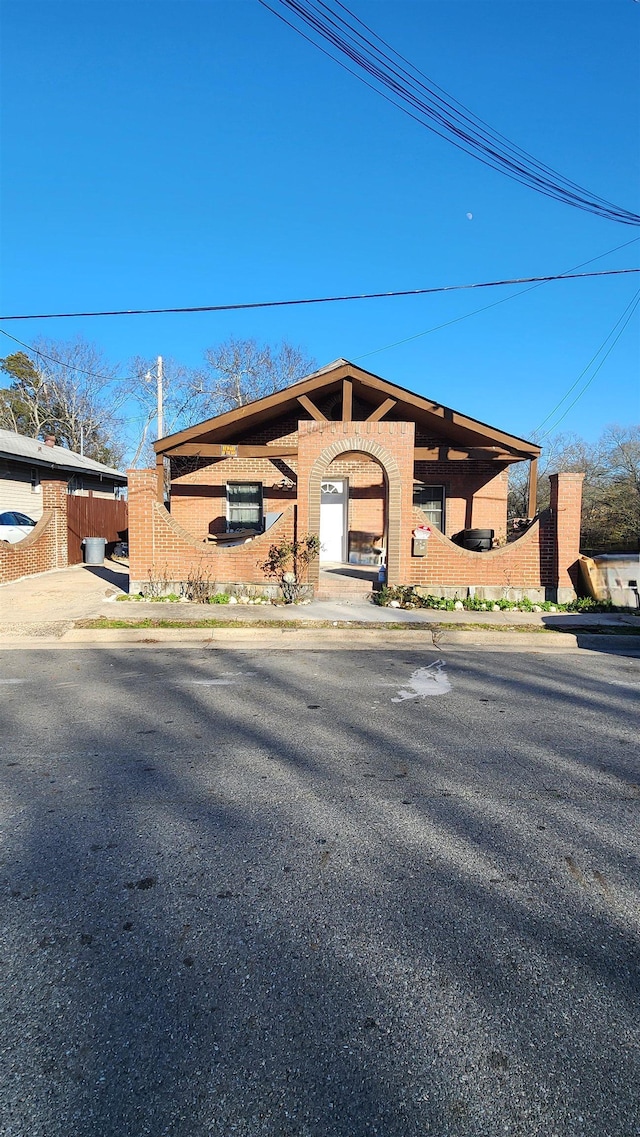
(94, 517)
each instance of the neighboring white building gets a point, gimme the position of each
(24, 460)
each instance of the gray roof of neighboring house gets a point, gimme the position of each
(35, 452)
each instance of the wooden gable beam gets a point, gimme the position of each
(229, 450)
(382, 410)
(312, 409)
(449, 453)
(347, 400)
(533, 487)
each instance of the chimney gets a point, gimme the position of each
(50, 440)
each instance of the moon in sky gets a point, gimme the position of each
(469, 216)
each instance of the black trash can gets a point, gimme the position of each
(93, 550)
(477, 540)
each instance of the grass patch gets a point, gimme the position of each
(104, 623)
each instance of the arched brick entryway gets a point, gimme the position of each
(364, 445)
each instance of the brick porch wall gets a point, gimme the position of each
(160, 548)
(46, 547)
(541, 563)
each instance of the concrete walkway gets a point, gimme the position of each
(48, 607)
(49, 604)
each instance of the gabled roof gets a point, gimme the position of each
(34, 452)
(443, 422)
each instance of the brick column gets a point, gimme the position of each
(566, 507)
(142, 497)
(54, 497)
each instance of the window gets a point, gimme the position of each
(35, 480)
(244, 505)
(76, 484)
(430, 499)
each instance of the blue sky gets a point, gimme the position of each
(184, 153)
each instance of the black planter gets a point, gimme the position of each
(477, 540)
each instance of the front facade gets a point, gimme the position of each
(355, 459)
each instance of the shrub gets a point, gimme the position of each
(288, 563)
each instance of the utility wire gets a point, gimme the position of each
(381, 68)
(622, 320)
(495, 304)
(130, 378)
(321, 299)
(71, 366)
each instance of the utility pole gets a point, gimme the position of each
(160, 423)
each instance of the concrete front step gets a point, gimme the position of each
(350, 585)
(343, 594)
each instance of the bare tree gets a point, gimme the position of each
(235, 372)
(65, 389)
(238, 371)
(611, 488)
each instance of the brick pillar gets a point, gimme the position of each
(54, 497)
(142, 497)
(566, 507)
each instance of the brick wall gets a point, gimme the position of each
(475, 494)
(542, 563)
(160, 548)
(199, 495)
(46, 547)
(523, 567)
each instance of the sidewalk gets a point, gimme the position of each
(48, 608)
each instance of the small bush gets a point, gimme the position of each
(157, 583)
(588, 604)
(197, 586)
(406, 596)
(288, 563)
(219, 598)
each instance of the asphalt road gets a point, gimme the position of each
(319, 894)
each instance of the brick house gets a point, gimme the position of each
(362, 462)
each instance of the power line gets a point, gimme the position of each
(385, 71)
(71, 366)
(626, 317)
(495, 304)
(320, 299)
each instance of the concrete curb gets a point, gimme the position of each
(325, 639)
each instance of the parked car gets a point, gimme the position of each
(14, 526)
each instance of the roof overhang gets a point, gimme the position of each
(450, 426)
(42, 464)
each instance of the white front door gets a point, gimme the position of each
(333, 521)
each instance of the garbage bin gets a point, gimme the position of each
(93, 550)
